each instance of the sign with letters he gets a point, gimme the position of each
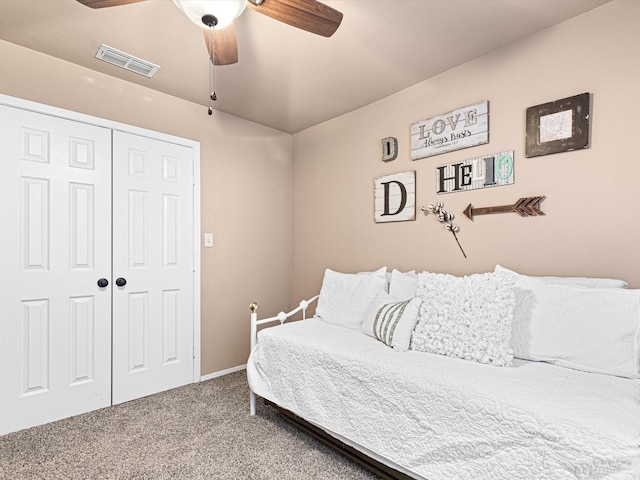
(395, 197)
(462, 128)
(486, 171)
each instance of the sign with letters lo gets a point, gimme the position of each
(462, 128)
(395, 197)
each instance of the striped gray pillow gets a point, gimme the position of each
(391, 320)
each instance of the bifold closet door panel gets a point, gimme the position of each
(55, 321)
(153, 266)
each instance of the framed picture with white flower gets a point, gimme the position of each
(559, 126)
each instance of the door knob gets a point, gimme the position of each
(121, 282)
(103, 282)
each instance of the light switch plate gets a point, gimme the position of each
(208, 240)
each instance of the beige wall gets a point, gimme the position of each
(591, 227)
(246, 174)
(246, 188)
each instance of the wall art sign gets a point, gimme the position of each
(559, 126)
(395, 197)
(492, 170)
(389, 149)
(462, 128)
(525, 207)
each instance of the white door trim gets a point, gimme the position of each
(102, 122)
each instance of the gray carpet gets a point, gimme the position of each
(198, 431)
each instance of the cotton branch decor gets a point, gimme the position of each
(445, 218)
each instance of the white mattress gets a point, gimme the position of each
(445, 418)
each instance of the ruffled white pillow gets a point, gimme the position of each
(466, 317)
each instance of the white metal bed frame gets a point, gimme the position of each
(339, 444)
(280, 317)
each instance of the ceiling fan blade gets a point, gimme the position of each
(308, 15)
(107, 3)
(222, 45)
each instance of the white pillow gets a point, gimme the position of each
(466, 317)
(591, 329)
(403, 285)
(578, 281)
(345, 297)
(391, 320)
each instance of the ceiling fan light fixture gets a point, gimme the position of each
(211, 13)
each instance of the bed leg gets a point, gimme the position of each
(252, 404)
(253, 307)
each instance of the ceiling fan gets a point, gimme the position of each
(216, 18)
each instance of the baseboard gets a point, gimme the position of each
(209, 376)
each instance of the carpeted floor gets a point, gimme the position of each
(198, 431)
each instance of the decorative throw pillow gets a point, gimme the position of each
(577, 281)
(466, 317)
(591, 329)
(403, 285)
(391, 320)
(345, 297)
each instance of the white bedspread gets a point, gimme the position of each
(448, 419)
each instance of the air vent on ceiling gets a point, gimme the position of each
(126, 61)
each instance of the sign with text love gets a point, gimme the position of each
(395, 197)
(462, 128)
(480, 172)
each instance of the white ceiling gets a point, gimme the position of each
(286, 78)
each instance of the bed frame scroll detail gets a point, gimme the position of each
(280, 317)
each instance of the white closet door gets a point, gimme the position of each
(55, 216)
(153, 312)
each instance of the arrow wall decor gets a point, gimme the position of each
(526, 206)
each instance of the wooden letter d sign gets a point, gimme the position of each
(395, 197)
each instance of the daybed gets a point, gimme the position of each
(489, 376)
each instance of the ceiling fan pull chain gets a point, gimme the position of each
(212, 96)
